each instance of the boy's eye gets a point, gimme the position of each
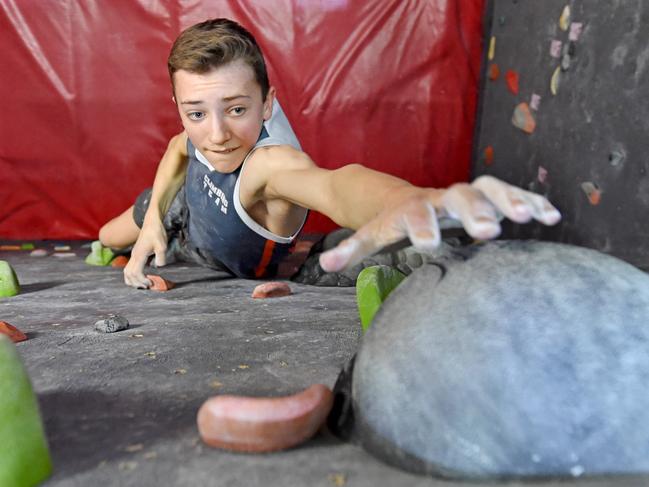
(195, 115)
(238, 110)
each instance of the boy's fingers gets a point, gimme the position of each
(507, 199)
(343, 255)
(477, 214)
(137, 281)
(515, 203)
(542, 209)
(422, 228)
(417, 222)
(134, 273)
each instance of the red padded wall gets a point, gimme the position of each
(87, 105)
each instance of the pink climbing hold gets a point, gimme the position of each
(542, 174)
(555, 48)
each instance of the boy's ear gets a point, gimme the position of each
(173, 99)
(268, 103)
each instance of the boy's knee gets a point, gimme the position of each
(111, 236)
(105, 236)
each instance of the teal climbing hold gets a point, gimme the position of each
(373, 286)
(99, 255)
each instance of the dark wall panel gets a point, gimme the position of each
(588, 149)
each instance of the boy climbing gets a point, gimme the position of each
(232, 191)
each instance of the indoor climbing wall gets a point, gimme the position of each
(564, 100)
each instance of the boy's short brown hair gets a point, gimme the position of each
(214, 43)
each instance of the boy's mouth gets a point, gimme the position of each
(223, 151)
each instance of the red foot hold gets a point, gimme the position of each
(274, 289)
(119, 261)
(248, 424)
(159, 283)
(12, 332)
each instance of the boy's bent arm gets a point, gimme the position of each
(170, 175)
(152, 239)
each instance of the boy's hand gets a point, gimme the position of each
(478, 207)
(152, 240)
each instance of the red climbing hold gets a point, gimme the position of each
(274, 289)
(159, 283)
(512, 81)
(119, 261)
(12, 332)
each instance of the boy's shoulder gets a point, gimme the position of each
(279, 157)
(272, 166)
(178, 143)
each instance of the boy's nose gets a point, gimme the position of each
(219, 132)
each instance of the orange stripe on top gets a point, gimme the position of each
(265, 258)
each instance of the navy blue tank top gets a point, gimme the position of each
(218, 224)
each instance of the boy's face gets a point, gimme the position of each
(222, 112)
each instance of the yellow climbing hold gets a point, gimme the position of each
(564, 20)
(554, 82)
(492, 48)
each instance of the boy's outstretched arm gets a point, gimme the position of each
(385, 209)
(478, 207)
(153, 238)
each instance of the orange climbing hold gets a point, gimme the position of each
(10, 247)
(494, 72)
(159, 283)
(119, 261)
(489, 155)
(12, 332)
(592, 192)
(512, 81)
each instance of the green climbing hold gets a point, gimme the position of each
(8, 281)
(373, 286)
(24, 455)
(99, 255)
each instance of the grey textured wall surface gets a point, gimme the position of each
(588, 149)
